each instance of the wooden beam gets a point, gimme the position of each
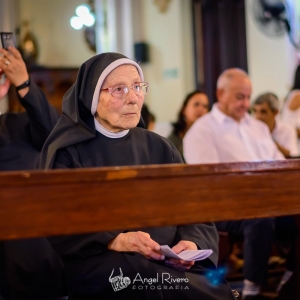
(45, 203)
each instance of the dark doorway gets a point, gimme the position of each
(220, 40)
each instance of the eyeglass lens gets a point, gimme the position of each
(121, 90)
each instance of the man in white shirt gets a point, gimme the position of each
(266, 108)
(229, 134)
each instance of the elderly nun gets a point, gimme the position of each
(100, 126)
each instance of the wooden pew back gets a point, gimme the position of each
(45, 203)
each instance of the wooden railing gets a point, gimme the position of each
(45, 203)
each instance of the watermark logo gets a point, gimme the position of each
(163, 281)
(119, 282)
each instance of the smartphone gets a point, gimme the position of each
(8, 39)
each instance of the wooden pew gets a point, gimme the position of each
(44, 203)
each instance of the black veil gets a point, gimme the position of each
(76, 123)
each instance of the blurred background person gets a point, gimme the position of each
(22, 135)
(29, 268)
(229, 134)
(148, 117)
(291, 108)
(265, 108)
(195, 105)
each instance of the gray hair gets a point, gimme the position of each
(269, 98)
(229, 74)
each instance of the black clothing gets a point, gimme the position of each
(286, 234)
(96, 270)
(177, 142)
(76, 123)
(87, 256)
(23, 135)
(258, 237)
(138, 147)
(74, 143)
(30, 268)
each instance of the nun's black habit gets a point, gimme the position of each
(29, 268)
(75, 143)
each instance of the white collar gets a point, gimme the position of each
(107, 133)
(220, 117)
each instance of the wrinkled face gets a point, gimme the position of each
(117, 114)
(196, 107)
(234, 99)
(263, 113)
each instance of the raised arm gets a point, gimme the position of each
(41, 114)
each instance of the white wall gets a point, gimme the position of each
(59, 44)
(271, 61)
(170, 71)
(169, 35)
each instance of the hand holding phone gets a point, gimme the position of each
(13, 65)
(7, 40)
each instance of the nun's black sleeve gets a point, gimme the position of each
(79, 245)
(63, 160)
(41, 114)
(204, 235)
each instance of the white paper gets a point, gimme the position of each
(187, 255)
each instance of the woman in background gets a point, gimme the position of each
(195, 105)
(291, 109)
(148, 117)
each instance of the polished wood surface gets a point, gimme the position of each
(44, 203)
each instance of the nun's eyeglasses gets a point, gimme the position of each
(121, 90)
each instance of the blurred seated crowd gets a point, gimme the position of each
(282, 117)
(236, 128)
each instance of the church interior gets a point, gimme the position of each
(244, 189)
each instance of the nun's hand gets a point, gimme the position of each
(181, 264)
(136, 242)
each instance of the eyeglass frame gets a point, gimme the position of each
(129, 87)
